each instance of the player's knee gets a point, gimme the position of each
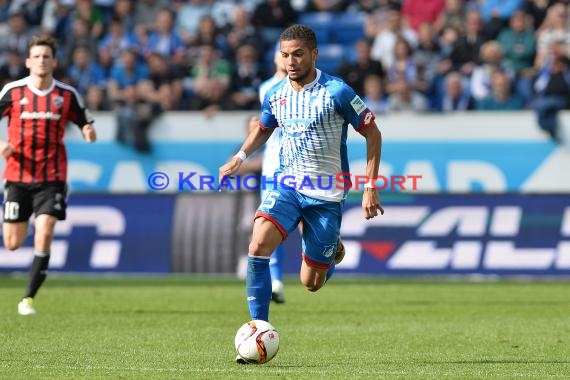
(43, 238)
(311, 286)
(12, 242)
(259, 249)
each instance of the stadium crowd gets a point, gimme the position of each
(140, 58)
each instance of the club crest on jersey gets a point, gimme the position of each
(282, 101)
(58, 101)
(357, 104)
(329, 251)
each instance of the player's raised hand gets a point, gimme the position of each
(228, 170)
(6, 149)
(89, 133)
(371, 203)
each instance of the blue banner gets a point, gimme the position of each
(104, 233)
(505, 234)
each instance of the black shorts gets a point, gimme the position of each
(23, 199)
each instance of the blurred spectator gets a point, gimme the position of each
(383, 46)
(453, 16)
(4, 11)
(496, 14)
(145, 16)
(208, 33)
(465, 53)
(240, 32)
(79, 36)
(536, 10)
(95, 99)
(13, 68)
(491, 61)
(555, 28)
(92, 14)
(56, 20)
(377, 12)
(223, 11)
(354, 71)
(210, 78)
(552, 87)
(274, 14)
(83, 71)
(124, 11)
(328, 5)
(117, 39)
(106, 6)
(163, 87)
(374, 95)
(456, 96)
(403, 68)
(161, 91)
(405, 98)
(32, 10)
(164, 40)
(271, 17)
(245, 80)
(125, 73)
(501, 97)
(427, 54)
(17, 36)
(417, 12)
(518, 44)
(189, 15)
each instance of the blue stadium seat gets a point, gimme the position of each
(330, 58)
(322, 24)
(348, 27)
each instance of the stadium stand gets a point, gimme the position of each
(135, 26)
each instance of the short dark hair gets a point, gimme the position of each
(301, 33)
(43, 40)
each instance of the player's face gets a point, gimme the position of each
(299, 60)
(41, 61)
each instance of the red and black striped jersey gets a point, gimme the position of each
(36, 126)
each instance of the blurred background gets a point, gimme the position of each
(470, 95)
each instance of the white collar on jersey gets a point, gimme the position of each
(309, 85)
(36, 90)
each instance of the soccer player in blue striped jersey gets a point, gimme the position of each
(313, 111)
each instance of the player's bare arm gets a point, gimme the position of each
(370, 198)
(5, 148)
(254, 141)
(89, 133)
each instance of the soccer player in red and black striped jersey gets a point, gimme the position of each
(38, 108)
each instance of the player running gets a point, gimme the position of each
(38, 107)
(313, 111)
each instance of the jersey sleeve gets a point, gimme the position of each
(352, 108)
(78, 114)
(5, 102)
(268, 119)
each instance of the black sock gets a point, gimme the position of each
(38, 273)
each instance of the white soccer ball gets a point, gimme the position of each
(257, 342)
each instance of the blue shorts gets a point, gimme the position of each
(285, 207)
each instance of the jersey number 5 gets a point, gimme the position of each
(270, 199)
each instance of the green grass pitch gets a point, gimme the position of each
(183, 328)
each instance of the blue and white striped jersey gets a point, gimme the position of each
(314, 124)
